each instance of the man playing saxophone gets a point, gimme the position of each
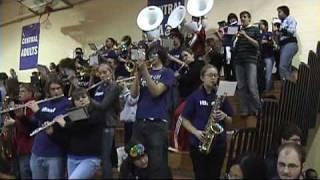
(196, 115)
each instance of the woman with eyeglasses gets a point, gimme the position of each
(195, 117)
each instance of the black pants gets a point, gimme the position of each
(207, 166)
(154, 135)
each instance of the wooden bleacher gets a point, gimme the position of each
(292, 102)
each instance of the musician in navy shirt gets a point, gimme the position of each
(151, 125)
(195, 118)
(47, 159)
(175, 54)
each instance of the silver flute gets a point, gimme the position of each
(44, 126)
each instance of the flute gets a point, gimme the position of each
(24, 105)
(43, 127)
(75, 114)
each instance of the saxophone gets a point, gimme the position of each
(212, 128)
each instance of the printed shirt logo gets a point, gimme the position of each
(49, 110)
(203, 103)
(99, 94)
(155, 78)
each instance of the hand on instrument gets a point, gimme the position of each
(19, 112)
(242, 33)
(8, 121)
(141, 65)
(219, 115)
(60, 120)
(199, 134)
(48, 130)
(33, 105)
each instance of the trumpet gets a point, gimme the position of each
(24, 105)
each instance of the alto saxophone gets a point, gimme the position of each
(212, 128)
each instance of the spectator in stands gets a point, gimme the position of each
(228, 38)
(246, 48)
(3, 91)
(135, 166)
(310, 174)
(53, 67)
(291, 161)
(13, 74)
(276, 40)
(289, 134)
(248, 166)
(288, 42)
(267, 53)
(12, 84)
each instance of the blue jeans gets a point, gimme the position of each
(82, 168)
(106, 152)
(47, 167)
(24, 166)
(154, 135)
(269, 65)
(287, 52)
(246, 75)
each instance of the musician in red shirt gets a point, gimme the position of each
(22, 141)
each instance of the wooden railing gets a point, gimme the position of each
(298, 103)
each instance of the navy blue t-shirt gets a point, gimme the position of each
(177, 53)
(197, 110)
(267, 49)
(43, 145)
(100, 92)
(155, 107)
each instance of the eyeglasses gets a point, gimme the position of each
(289, 166)
(211, 75)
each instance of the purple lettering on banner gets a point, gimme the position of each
(167, 7)
(29, 46)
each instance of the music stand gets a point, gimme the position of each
(78, 113)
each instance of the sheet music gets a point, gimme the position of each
(232, 30)
(227, 88)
